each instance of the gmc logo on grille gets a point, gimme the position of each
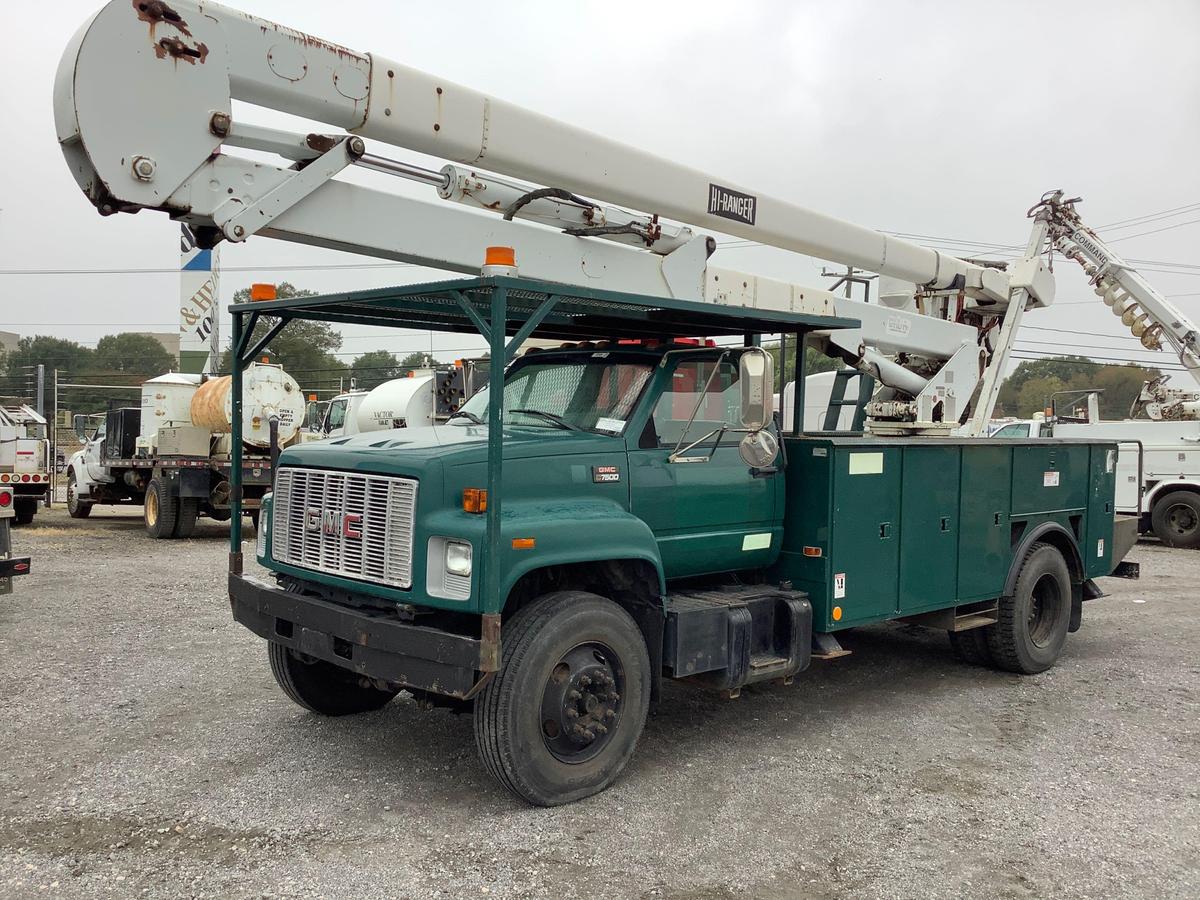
(333, 522)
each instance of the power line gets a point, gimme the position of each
(175, 270)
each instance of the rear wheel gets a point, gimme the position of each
(1176, 520)
(562, 716)
(161, 511)
(322, 687)
(1032, 626)
(189, 511)
(76, 508)
(971, 646)
(24, 510)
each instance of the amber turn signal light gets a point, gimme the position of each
(523, 543)
(474, 500)
(262, 292)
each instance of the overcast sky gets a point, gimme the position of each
(946, 119)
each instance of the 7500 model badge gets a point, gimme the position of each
(333, 522)
(601, 474)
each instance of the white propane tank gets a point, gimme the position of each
(400, 403)
(266, 390)
(166, 401)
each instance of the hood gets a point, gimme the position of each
(412, 450)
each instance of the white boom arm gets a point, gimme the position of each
(1150, 316)
(143, 110)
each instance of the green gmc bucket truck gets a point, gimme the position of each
(625, 505)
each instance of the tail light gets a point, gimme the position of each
(25, 478)
(5, 498)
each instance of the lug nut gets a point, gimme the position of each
(573, 695)
(572, 713)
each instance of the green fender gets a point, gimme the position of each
(572, 531)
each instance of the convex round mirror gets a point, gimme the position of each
(758, 449)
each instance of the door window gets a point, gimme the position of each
(717, 402)
(336, 417)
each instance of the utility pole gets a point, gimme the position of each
(848, 279)
(41, 390)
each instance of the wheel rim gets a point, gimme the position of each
(1181, 519)
(72, 500)
(1045, 607)
(151, 509)
(581, 702)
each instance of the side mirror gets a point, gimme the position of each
(80, 422)
(756, 374)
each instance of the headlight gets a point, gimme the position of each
(260, 535)
(458, 558)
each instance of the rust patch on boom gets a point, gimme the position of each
(178, 50)
(155, 11)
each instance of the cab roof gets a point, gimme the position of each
(463, 305)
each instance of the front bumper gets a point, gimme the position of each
(372, 644)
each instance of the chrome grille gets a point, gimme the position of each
(308, 516)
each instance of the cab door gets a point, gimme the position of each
(709, 511)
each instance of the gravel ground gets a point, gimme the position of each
(147, 752)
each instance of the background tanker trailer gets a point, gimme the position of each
(173, 453)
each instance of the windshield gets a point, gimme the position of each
(592, 393)
(1016, 430)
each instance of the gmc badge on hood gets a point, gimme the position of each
(601, 474)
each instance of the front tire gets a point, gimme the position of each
(76, 508)
(322, 687)
(561, 718)
(1176, 520)
(1032, 626)
(161, 511)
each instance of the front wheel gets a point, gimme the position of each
(76, 508)
(562, 716)
(322, 687)
(1032, 625)
(1176, 520)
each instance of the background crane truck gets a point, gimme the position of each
(424, 396)
(1158, 469)
(610, 514)
(24, 460)
(172, 454)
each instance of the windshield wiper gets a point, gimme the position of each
(468, 415)
(549, 417)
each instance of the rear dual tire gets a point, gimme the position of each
(24, 510)
(1032, 623)
(167, 515)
